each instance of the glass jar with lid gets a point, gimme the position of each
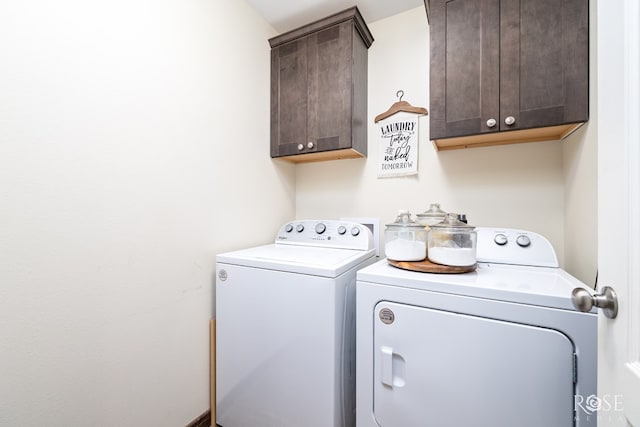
(452, 242)
(431, 216)
(405, 239)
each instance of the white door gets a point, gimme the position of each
(618, 116)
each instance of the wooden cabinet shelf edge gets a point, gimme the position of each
(549, 133)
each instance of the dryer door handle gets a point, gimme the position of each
(386, 359)
(392, 369)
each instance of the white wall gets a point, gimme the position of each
(520, 186)
(133, 148)
(581, 181)
(581, 197)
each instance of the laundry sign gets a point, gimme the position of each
(398, 155)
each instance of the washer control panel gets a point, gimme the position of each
(516, 247)
(326, 233)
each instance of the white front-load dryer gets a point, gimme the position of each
(501, 346)
(285, 327)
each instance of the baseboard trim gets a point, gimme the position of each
(203, 420)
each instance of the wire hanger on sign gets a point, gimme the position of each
(399, 106)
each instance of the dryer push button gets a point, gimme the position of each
(523, 240)
(500, 239)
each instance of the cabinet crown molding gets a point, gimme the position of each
(346, 15)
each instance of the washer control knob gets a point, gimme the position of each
(310, 145)
(288, 228)
(523, 241)
(355, 231)
(299, 228)
(320, 228)
(342, 229)
(500, 239)
(300, 147)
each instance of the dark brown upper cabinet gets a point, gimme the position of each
(507, 71)
(319, 90)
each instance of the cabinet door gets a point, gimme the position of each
(330, 88)
(464, 80)
(288, 97)
(544, 62)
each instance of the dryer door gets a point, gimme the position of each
(442, 369)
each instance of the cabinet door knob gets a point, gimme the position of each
(509, 120)
(491, 123)
(310, 144)
(300, 147)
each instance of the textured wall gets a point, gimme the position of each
(133, 148)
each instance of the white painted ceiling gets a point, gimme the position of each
(285, 15)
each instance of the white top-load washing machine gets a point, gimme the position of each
(285, 327)
(501, 346)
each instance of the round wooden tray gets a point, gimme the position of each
(427, 266)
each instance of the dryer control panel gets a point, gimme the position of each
(515, 247)
(326, 233)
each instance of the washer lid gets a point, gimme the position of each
(540, 286)
(316, 261)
